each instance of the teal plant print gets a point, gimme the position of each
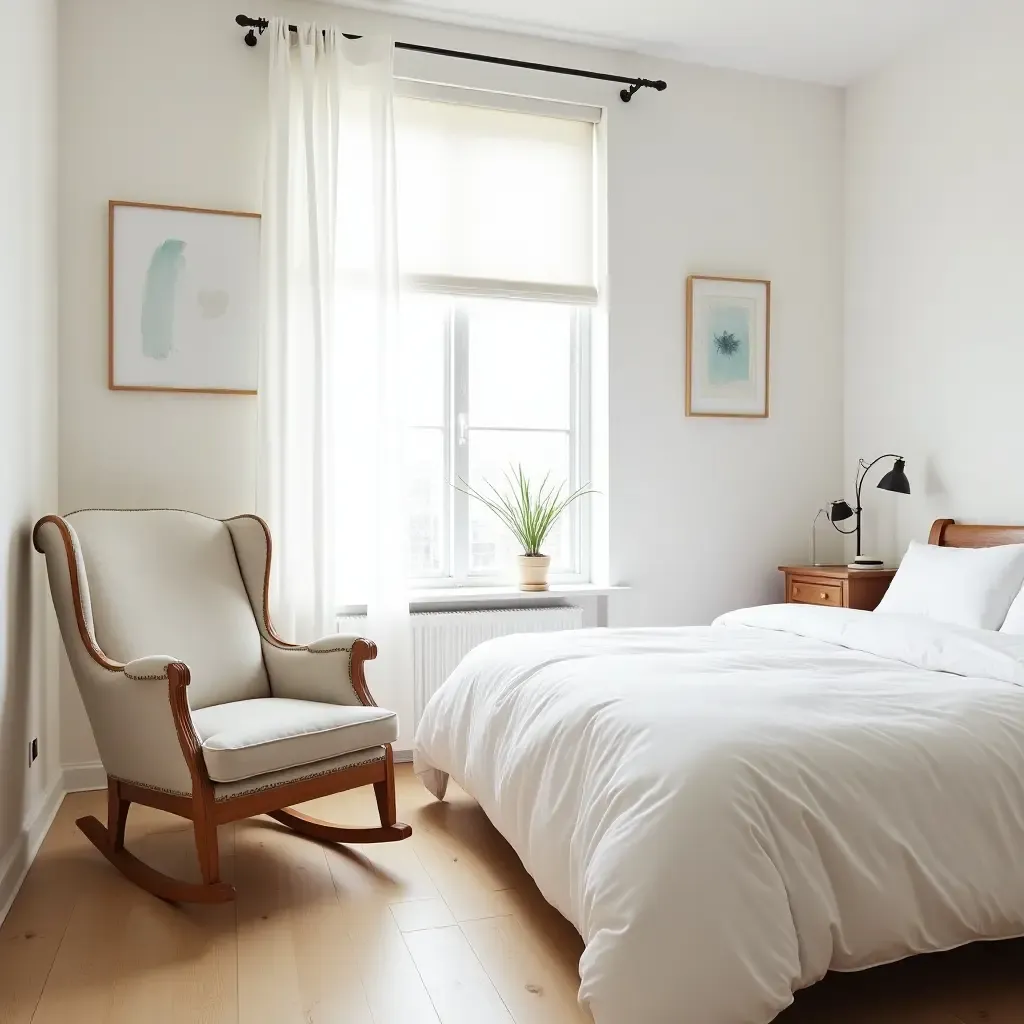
(728, 343)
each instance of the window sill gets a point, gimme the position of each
(485, 597)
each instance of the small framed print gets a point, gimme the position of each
(727, 341)
(184, 299)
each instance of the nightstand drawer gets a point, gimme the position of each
(815, 593)
(836, 586)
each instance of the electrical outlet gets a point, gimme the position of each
(33, 750)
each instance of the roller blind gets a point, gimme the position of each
(495, 200)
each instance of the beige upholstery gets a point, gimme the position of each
(273, 780)
(293, 674)
(168, 583)
(156, 587)
(253, 737)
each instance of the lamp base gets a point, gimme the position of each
(865, 562)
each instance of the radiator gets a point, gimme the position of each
(440, 640)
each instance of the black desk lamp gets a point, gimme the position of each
(895, 480)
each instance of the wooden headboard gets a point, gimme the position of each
(950, 534)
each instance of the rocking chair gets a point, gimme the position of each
(232, 721)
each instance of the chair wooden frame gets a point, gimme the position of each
(202, 808)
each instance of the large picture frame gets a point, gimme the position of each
(183, 309)
(728, 337)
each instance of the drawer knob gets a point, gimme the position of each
(823, 595)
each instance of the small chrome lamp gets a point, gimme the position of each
(814, 537)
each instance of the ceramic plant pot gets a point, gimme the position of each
(533, 572)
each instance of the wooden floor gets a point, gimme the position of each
(445, 927)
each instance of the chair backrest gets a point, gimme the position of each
(167, 582)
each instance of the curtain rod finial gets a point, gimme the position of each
(641, 83)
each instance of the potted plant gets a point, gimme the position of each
(530, 513)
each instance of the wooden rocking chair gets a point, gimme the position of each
(234, 721)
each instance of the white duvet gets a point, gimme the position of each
(727, 812)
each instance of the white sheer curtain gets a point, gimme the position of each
(330, 397)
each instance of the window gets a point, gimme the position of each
(494, 383)
(496, 229)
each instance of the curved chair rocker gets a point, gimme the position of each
(235, 722)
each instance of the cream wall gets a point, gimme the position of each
(934, 265)
(28, 431)
(723, 173)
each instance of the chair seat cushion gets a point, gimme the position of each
(223, 791)
(268, 734)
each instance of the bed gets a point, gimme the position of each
(725, 813)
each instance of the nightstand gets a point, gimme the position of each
(836, 585)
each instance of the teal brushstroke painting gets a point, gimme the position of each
(728, 343)
(158, 298)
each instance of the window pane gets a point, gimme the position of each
(519, 364)
(428, 502)
(424, 326)
(492, 548)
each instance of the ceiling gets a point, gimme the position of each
(831, 41)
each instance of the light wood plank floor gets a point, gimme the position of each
(445, 928)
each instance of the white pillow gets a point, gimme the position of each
(970, 587)
(1014, 621)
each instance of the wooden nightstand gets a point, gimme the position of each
(836, 585)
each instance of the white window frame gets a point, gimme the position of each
(456, 540)
(583, 299)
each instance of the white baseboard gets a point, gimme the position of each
(403, 756)
(83, 776)
(15, 864)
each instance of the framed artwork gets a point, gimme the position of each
(727, 340)
(184, 299)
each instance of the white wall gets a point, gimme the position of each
(934, 271)
(723, 173)
(28, 428)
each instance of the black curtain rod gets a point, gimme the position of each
(260, 25)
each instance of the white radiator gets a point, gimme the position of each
(440, 640)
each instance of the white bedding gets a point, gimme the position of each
(727, 812)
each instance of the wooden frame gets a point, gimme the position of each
(111, 207)
(202, 808)
(950, 534)
(767, 346)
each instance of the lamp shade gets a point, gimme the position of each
(839, 510)
(896, 479)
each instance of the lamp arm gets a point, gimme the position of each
(865, 466)
(847, 533)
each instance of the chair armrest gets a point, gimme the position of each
(154, 667)
(336, 642)
(143, 725)
(329, 670)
